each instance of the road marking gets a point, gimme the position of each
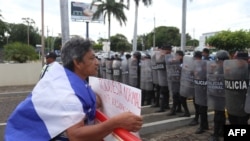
(2, 124)
(15, 92)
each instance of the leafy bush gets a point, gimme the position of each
(230, 40)
(19, 52)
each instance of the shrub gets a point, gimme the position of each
(19, 52)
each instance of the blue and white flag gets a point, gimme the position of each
(58, 101)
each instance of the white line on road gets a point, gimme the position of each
(2, 124)
(15, 92)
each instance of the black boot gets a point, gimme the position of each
(149, 97)
(219, 122)
(173, 110)
(185, 107)
(171, 113)
(203, 116)
(178, 109)
(167, 100)
(193, 122)
(184, 115)
(216, 125)
(196, 117)
(157, 96)
(143, 95)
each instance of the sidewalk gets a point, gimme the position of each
(5, 89)
(173, 128)
(185, 133)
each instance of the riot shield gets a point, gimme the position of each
(236, 84)
(116, 66)
(161, 69)
(215, 85)
(154, 67)
(109, 71)
(247, 102)
(187, 77)
(174, 74)
(124, 71)
(133, 72)
(103, 68)
(99, 68)
(146, 75)
(200, 82)
(168, 60)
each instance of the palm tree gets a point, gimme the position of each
(0, 14)
(146, 3)
(108, 8)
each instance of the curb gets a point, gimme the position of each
(169, 124)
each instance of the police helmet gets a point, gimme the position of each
(222, 55)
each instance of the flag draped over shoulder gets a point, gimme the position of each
(58, 101)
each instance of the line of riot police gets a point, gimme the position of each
(221, 84)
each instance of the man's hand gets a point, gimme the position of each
(129, 121)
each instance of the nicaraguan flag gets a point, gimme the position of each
(58, 101)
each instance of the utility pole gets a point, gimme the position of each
(154, 34)
(183, 33)
(28, 21)
(87, 29)
(135, 29)
(48, 40)
(64, 20)
(42, 37)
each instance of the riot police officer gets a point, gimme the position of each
(134, 69)
(125, 70)
(216, 92)
(162, 77)
(156, 87)
(200, 87)
(116, 67)
(146, 80)
(174, 74)
(236, 85)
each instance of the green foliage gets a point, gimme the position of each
(18, 33)
(19, 52)
(230, 41)
(97, 47)
(100, 40)
(141, 42)
(192, 42)
(119, 43)
(164, 35)
(167, 35)
(58, 43)
(3, 29)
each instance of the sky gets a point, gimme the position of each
(202, 16)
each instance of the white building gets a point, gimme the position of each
(203, 38)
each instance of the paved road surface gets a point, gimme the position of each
(182, 133)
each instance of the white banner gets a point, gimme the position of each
(116, 98)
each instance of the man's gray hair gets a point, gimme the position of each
(74, 49)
